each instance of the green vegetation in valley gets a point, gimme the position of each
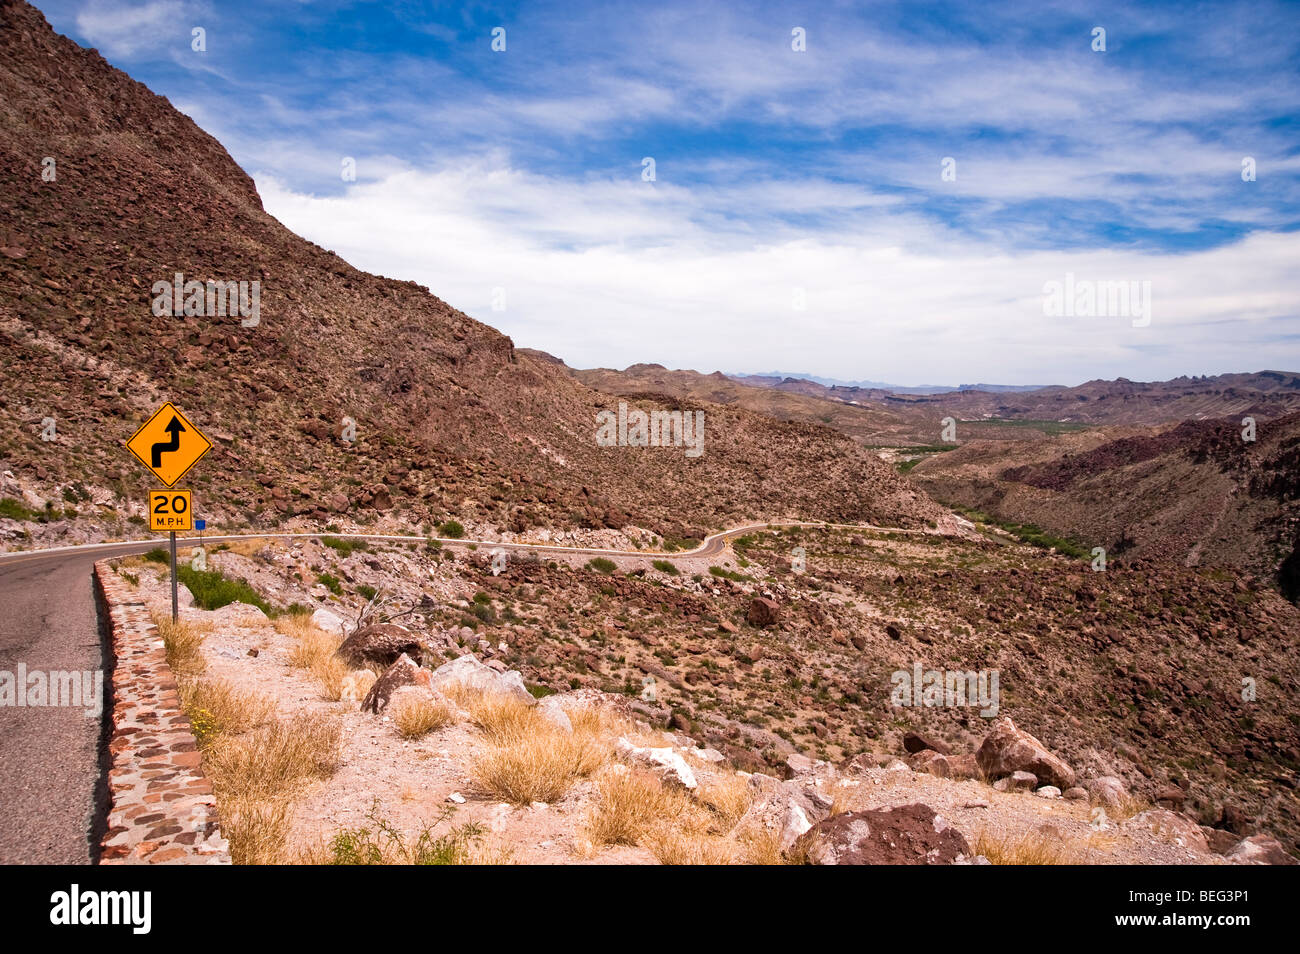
(1051, 428)
(1028, 533)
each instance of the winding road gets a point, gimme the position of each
(52, 791)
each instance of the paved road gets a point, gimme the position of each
(51, 778)
(49, 757)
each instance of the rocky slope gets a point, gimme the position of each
(1192, 494)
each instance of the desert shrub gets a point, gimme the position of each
(330, 582)
(345, 547)
(212, 589)
(601, 564)
(416, 718)
(381, 843)
(216, 708)
(182, 644)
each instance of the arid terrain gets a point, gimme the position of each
(651, 696)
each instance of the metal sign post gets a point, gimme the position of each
(174, 614)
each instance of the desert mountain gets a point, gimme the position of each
(450, 420)
(1195, 493)
(1263, 394)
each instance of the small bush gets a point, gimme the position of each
(384, 844)
(330, 582)
(217, 708)
(16, 510)
(664, 566)
(345, 547)
(416, 718)
(452, 530)
(157, 555)
(212, 589)
(726, 574)
(182, 643)
(601, 565)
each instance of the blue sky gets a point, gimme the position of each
(798, 217)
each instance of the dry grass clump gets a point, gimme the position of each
(256, 829)
(416, 718)
(215, 707)
(354, 686)
(529, 759)
(315, 651)
(255, 776)
(628, 804)
(676, 846)
(296, 625)
(633, 807)
(275, 757)
(500, 718)
(183, 643)
(761, 847)
(537, 766)
(728, 798)
(1033, 848)
(1129, 806)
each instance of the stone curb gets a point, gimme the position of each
(162, 807)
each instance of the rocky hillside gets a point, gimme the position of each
(450, 420)
(1194, 494)
(867, 425)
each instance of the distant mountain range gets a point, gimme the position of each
(778, 376)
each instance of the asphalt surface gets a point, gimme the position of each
(50, 775)
(52, 785)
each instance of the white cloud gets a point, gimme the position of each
(123, 30)
(609, 273)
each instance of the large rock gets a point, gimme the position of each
(663, 762)
(1017, 782)
(382, 644)
(1108, 790)
(403, 672)
(329, 621)
(788, 808)
(1260, 850)
(1172, 827)
(763, 612)
(469, 673)
(1007, 749)
(914, 742)
(906, 835)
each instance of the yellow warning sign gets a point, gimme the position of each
(170, 510)
(168, 444)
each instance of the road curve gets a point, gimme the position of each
(51, 775)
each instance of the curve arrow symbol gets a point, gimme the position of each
(157, 450)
